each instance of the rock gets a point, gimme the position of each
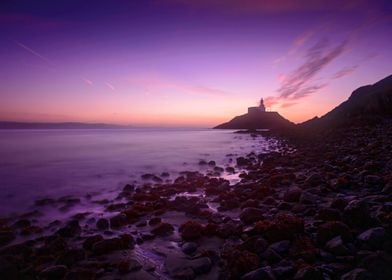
(163, 229)
(71, 257)
(6, 236)
(356, 213)
(109, 245)
(263, 273)
(254, 244)
(211, 163)
(329, 214)
(54, 272)
(191, 230)
(357, 274)
(80, 274)
(284, 270)
(239, 262)
(337, 247)
(102, 224)
(373, 180)
(314, 180)
(241, 161)
(379, 265)
(329, 230)
(308, 273)
(71, 229)
(128, 265)
(128, 188)
(250, 215)
(292, 195)
(8, 270)
(91, 240)
(308, 198)
(154, 221)
(189, 248)
(201, 265)
(280, 247)
(282, 227)
(119, 220)
(374, 237)
(339, 203)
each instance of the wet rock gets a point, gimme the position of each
(191, 230)
(356, 213)
(302, 247)
(329, 214)
(379, 264)
(71, 229)
(373, 237)
(308, 273)
(241, 161)
(80, 274)
(211, 163)
(8, 270)
(189, 248)
(336, 246)
(284, 270)
(154, 221)
(201, 265)
(91, 240)
(308, 198)
(54, 272)
(6, 236)
(357, 274)
(102, 224)
(250, 215)
(263, 273)
(128, 188)
(109, 245)
(329, 230)
(119, 220)
(239, 262)
(280, 247)
(22, 223)
(339, 203)
(292, 195)
(162, 229)
(373, 180)
(128, 265)
(202, 162)
(282, 227)
(71, 257)
(254, 244)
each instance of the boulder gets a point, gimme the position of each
(250, 215)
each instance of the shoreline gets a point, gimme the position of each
(312, 213)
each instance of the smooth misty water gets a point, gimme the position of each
(53, 163)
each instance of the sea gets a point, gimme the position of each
(39, 163)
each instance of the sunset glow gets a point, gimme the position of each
(186, 63)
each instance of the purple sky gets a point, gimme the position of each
(186, 62)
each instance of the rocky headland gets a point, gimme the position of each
(314, 209)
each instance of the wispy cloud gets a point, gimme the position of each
(157, 83)
(109, 85)
(87, 81)
(33, 52)
(345, 72)
(300, 82)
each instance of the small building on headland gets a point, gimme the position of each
(257, 118)
(260, 108)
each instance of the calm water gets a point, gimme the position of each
(42, 163)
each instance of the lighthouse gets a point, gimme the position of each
(260, 108)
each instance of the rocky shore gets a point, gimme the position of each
(317, 209)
